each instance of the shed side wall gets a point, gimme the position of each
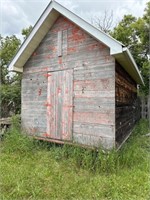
(127, 104)
(93, 85)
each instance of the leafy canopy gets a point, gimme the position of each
(10, 88)
(134, 33)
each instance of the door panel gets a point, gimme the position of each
(60, 105)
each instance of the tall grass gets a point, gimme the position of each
(32, 169)
(14, 141)
(132, 153)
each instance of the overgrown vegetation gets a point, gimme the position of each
(37, 170)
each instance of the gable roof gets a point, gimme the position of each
(45, 22)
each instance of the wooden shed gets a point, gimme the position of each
(79, 85)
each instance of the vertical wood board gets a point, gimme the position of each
(59, 43)
(59, 104)
(65, 42)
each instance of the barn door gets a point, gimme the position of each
(60, 105)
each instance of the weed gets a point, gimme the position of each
(32, 169)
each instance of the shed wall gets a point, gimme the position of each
(93, 84)
(127, 104)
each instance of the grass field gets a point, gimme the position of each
(31, 170)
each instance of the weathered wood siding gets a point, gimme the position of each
(127, 104)
(60, 104)
(68, 47)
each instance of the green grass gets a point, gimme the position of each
(32, 170)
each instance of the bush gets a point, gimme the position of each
(10, 100)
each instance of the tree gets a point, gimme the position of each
(147, 20)
(10, 88)
(26, 31)
(8, 47)
(10, 83)
(134, 33)
(104, 22)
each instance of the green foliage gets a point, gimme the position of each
(10, 99)
(39, 170)
(26, 31)
(134, 33)
(124, 32)
(10, 82)
(15, 123)
(8, 48)
(10, 88)
(17, 142)
(135, 151)
(144, 89)
(147, 13)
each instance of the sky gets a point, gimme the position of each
(18, 14)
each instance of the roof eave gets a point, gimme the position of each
(16, 69)
(128, 63)
(139, 76)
